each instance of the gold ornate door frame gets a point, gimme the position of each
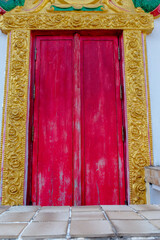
(18, 24)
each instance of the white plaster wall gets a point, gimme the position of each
(3, 53)
(153, 50)
(154, 194)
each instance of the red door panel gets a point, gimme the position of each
(77, 148)
(99, 121)
(52, 179)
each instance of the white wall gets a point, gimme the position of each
(153, 50)
(3, 53)
(154, 194)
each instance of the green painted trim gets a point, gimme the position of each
(8, 5)
(146, 5)
(74, 9)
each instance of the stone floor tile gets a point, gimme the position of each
(24, 208)
(151, 214)
(52, 216)
(45, 230)
(145, 207)
(123, 215)
(101, 228)
(87, 216)
(116, 208)
(156, 223)
(133, 228)
(11, 230)
(86, 208)
(3, 209)
(16, 216)
(55, 209)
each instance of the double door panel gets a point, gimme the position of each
(77, 148)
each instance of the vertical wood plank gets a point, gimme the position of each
(99, 123)
(54, 125)
(77, 122)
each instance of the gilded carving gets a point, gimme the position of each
(148, 102)
(136, 115)
(74, 20)
(14, 158)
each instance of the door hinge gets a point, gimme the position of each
(35, 54)
(34, 92)
(121, 92)
(32, 133)
(123, 133)
(119, 53)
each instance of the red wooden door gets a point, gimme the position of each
(77, 148)
(100, 119)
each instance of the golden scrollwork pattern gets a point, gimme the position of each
(77, 20)
(136, 115)
(15, 139)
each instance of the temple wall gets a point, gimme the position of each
(3, 53)
(153, 50)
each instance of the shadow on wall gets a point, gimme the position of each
(3, 53)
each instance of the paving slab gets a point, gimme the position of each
(16, 216)
(24, 208)
(116, 208)
(11, 230)
(101, 228)
(55, 209)
(151, 214)
(156, 223)
(45, 230)
(145, 207)
(135, 228)
(34, 222)
(86, 209)
(123, 215)
(51, 216)
(87, 216)
(3, 209)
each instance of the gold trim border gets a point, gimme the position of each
(20, 25)
(77, 20)
(149, 101)
(138, 146)
(15, 140)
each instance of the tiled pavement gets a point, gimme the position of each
(85, 222)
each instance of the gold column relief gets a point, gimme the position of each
(149, 102)
(15, 137)
(138, 146)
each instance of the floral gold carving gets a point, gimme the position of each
(138, 145)
(15, 139)
(76, 20)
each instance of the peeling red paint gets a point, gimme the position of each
(78, 148)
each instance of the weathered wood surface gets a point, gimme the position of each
(78, 149)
